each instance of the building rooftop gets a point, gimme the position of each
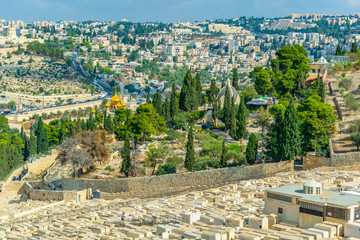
(325, 198)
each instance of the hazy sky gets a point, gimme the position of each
(166, 10)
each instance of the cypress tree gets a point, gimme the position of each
(40, 136)
(26, 148)
(83, 125)
(273, 138)
(215, 111)
(78, 123)
(223, 162)
(232, 119)
(241, 120)
(32, 144)
(198, 89)
(321, 88)
(148, 98)
(157, 103)
(339, 50)
(354, 47)
(166, 109)
(235, 79)
(251, 149)
(299, 84)
(190, 151)
(126, 156)
(46, 141)
(173, 102)
(212, 91)
(109, 124)
(186, 95)
(290, 134)
(227, 108)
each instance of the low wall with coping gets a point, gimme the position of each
(158, 186)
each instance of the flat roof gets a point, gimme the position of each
(325, 198)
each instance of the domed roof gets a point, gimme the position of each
(312, 183)
(107, 105)
(93, 111)
(233, 92)
(123, 105)
(115, 99)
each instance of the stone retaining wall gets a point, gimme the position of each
(164, 185)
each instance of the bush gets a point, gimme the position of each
(345, 83)
(343, 75)
(206, 162)
(166, 169)
(110, 169)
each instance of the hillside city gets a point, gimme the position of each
(243, 128)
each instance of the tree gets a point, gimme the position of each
(215, 112)
(198, 90)
(251, 149)
(262, 119)
(235, 79)
(32, 144)
(262, 81)
(157, 103)
(190, 151)
(41, 137)
(187, 94)
(174, 105)
(299, 85)
(345, 83)
(321, 88)
(148, 97)
(166, 109)
(227, 108)
(232, 119)
(339, 50)
(290, 135)
(351, 102)
(120, 115)
(223, 162)
(241, 119)
(126, 156)
(212, 92)
(62, 133)
(354, 47)
(155, 153)
(317, 122)
(109, 124)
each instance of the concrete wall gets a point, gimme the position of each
(345, 159)
(158, 186)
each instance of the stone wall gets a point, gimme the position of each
(345, 159)
(158, 186)
(312, 161)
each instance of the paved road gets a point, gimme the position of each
(226, 136)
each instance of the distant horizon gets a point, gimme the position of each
(167, 11)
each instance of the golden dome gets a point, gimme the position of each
(115, 99)
(107, 105)
(93, 111)
(123, 105)
(118, 105)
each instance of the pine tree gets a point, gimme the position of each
(91, 124)
(166, 109)
(62, 133)
(227, 108)
(148, 98)
(251, 149)
(290, 134)
(235, 79)
(232, 119)
(190, 151)
(186, 100)
(339, 50)
(241, 120)
(157, 103)
(173, 102)
(126, 156)
(223, 162)
(198, 88)
(109, 124)
(321, 88)
(32, 144)
(354, 47)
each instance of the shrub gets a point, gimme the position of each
(110, 169)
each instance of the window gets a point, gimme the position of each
(279, 197)
(318, 190)
(280, 210)
(311, 190)
(312, 209)
(357, 213)
(339, 213)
